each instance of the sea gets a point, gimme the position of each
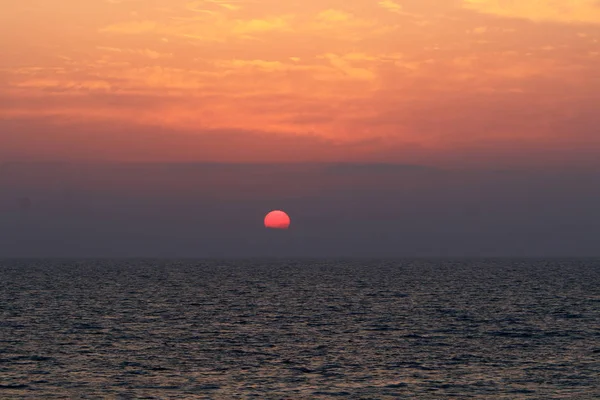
(300, 329)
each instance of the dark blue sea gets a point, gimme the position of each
(300, 329)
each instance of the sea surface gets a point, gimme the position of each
(300, 329)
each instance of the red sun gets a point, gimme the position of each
(277, 220)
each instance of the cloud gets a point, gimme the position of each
(403, 79)
(46, 138)
(211, 27)
(566, 11)
(391, 6)
(270, 24)
(334, 16)
(205, 5)
(132, 27)
(374, 169)
(345, 66)
(141, 52)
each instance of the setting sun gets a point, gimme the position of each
(277, 220)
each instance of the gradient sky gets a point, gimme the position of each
(495, 83)
(392, 127)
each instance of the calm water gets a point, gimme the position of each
(480, 329)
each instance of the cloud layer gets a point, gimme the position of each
(442, 81)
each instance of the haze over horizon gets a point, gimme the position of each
(370, 210)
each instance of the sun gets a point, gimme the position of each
(277, 220)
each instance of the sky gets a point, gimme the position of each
(392, 127)
(336, 210)
(436, 82)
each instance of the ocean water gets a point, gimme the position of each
(300, 329)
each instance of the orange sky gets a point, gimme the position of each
(415, 81)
